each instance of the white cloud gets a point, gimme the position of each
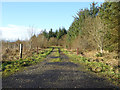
(13, 32)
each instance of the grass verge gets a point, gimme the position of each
(10, 67)
(103, 70)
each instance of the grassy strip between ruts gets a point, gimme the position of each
(56, 54)
(100, 68)
(10, 67)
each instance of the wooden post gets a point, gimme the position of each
(77, 51)
(37, 49)
(21, 49)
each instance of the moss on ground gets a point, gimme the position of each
(56, 56)
(10, 67)
(100, 68)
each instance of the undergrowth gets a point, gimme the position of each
(98, 67)
(10, 67)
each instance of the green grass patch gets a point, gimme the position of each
(98, 67)
(99, 54)
(56, 60)
(10, 67)
(56, 54)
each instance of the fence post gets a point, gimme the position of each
(77, 51)
(21, 49)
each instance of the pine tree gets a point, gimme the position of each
(110, 13)
(93, 9)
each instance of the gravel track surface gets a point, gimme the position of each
(48, 74)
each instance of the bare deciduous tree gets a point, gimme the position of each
(97, 30)
(31, 32)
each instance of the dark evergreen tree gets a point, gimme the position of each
(94, 9)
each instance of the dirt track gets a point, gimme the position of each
(55, 75)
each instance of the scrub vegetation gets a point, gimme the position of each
(96, 66)
(92, 40)
(10, 67)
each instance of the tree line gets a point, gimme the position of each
(97, 28)
(94, 28)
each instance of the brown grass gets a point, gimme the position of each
(13, 54)
(108, 58)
